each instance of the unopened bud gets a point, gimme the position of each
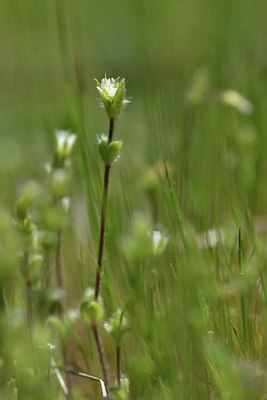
(60, 183)
(108, 151)
(64, 146)
(91, 312)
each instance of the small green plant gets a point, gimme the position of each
(42, 215)
(112, 92)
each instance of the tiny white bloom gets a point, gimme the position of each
(112, 92)
(159, 242)
(236, 100)
(71, 140)
(61, 137)
(108, 87)
(156, 238)
(65, 142)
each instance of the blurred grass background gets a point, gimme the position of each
(51, 51)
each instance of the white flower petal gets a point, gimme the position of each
(61, 137)
(71, 140)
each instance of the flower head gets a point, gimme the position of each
(117, 326)
(108, 87)
(64, 146)
(112, 92)
(159, 242)
(65, 142)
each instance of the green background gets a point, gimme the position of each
(181, 344)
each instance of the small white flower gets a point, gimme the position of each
(159, 242)
(65, 142)
(112, 92)
(236, 100)
(108, 87)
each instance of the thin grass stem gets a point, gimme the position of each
(242, 300)
(238, 338)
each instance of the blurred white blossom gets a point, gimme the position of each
(236, 100)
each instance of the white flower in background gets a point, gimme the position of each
(236, 100)
(159, 242)
(65, 142)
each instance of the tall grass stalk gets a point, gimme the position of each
(242, 299)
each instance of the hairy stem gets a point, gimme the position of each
(103, 218)
(99, 344)
(102, 232)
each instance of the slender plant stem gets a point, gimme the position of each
(60, 309)
(99, 344)
(102, 232)
(242, 300)
(59, 264)
(111, 129)
(102, 356)
(28, 294)
(176, 207)
(29, 304)
(118, 365)
(103, 217)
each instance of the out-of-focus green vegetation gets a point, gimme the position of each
(191, 175)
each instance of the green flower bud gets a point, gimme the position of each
(29, 194)
(108, 151)
(118, 393)
(64, 325)
(91, 312)
(112, 93)
(48, 239)
(28, 226)
(121, 393)
(64, 146)
(88, 295)
(52, 217)
(59, 326)
(60, 183)
(117, 326)
(26, 229)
